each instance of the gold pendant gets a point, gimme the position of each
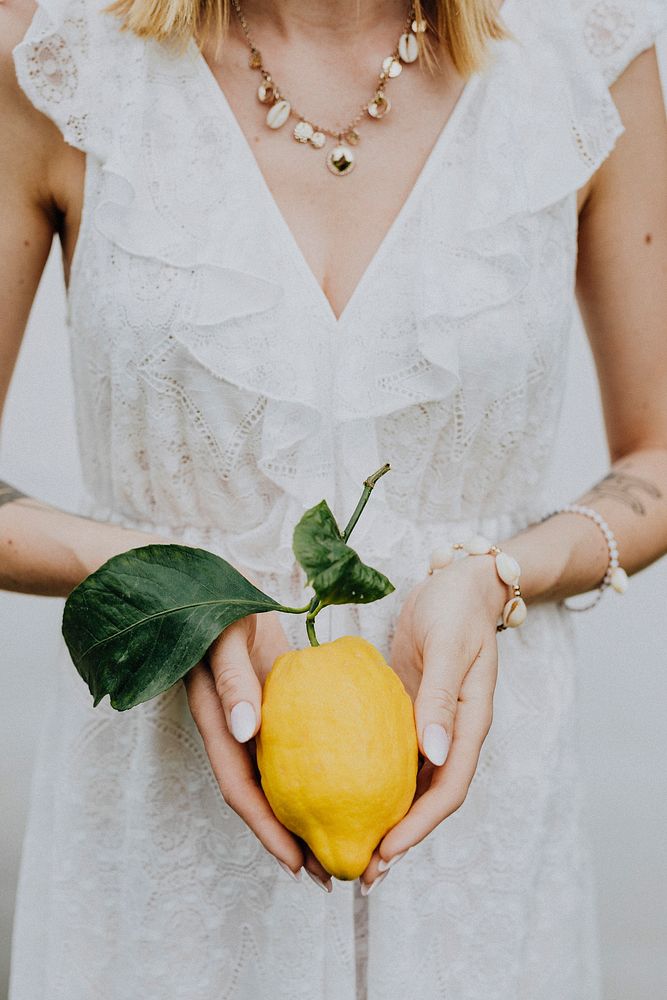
(266, 92)
(340, 160)
(379, 106)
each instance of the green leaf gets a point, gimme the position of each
(141, 621)
(334, 570)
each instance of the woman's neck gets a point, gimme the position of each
(336, 18)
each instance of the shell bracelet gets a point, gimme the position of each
(515, 611)
(615, 576)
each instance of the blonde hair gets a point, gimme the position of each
(461, 27)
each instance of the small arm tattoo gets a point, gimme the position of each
(629, 490)
(9, 493)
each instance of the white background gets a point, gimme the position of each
(623, 676)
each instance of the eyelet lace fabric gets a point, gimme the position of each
(217, 398)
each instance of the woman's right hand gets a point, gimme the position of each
(225, 696)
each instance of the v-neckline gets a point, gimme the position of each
(301, 262)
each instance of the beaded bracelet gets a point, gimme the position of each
(615, 576)
(515, 611)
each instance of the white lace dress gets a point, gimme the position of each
(217, 398)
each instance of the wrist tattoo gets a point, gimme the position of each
(629, 490)
(9, 493)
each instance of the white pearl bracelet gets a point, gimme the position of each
(615, 576)
(507, 568)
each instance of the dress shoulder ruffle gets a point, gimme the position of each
(617, 31)
(79, 68)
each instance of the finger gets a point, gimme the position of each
(377, 870)
(317, 872)
(450, 783)
(444, 667)
(234, 771)
(371, 871)
(437, 698)
(236, 682)
(270, 642)
(424, 778)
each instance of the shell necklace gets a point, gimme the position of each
(341, 159)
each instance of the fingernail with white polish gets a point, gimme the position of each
(327, 886)
(366, 890)
(436, 743)
(295, 875)
(243, 721)
(384, 866)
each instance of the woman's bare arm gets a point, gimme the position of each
(447, 630)
(622, 291)
(42, 550)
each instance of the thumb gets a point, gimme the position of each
(236, 682)
(437, 700)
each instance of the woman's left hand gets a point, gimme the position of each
(445, 651)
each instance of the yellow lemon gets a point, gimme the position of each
(337, 749)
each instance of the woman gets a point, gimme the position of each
(251, 332)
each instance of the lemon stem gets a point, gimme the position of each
(310, 631)
(363, 500)
(315, 605)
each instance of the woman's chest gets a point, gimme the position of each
(208, 359)
(204, 133)
(337, 220)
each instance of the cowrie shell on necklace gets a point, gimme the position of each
(392, 67)
(278, 114)
(408, 47)
(340, 160)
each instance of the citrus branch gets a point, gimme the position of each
(315, 605)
